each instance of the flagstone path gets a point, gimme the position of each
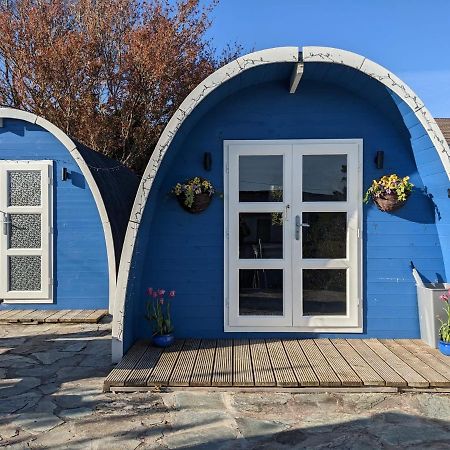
(51, 397)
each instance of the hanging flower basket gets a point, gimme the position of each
(199, 204)
(389, 193)
(194, 195)
(389, 202)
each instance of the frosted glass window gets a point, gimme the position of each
(24, 273)
(25, 231)
(24, 188)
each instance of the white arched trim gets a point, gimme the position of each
(395, 84)
(11, 113)
(275, 55)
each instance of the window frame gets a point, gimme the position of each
(45, 294)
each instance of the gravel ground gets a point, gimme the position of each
(51, 398)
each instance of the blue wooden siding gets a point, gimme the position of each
(176, 250)
(80, 266)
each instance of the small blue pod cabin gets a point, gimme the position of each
(64, 209)
(292, 137)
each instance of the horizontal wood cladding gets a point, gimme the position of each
(80, 261)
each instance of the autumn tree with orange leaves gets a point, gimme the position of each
(110, 73)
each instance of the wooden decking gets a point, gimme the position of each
(52, 316)
(365, 364)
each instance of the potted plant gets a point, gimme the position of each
(444, 330)
(195, 194)
(158, 314)
(390, 192)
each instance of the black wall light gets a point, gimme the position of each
(379, 159)
(64, 174)
(207, 161)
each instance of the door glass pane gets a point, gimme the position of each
(25, 231)
(326, 236)
(324, 178)
(324, 292)
(24, 188)
(260, 235)
(24, 273)
(261, 178)
(260, 292)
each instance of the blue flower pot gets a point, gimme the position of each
(444, 348)
(164, 340)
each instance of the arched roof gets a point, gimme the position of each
(94, 183)
(301, 56)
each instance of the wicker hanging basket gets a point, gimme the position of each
(389, 202)
(201, 202)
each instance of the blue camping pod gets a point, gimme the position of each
(291, 138)
(63, 213)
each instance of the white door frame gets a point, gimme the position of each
(353, 321)
(45, 294)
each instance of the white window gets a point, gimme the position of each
(26, 231)
(293, 235)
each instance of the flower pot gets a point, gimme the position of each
(388, 202)
(163, 340)
(444, 348)
(201, 202)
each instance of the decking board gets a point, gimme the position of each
(426, 357)
(300, 365)
(242, 363)
(223, 363)
(390, 376)
(365, 372)
(181, 373)
(411, 376)
(434, 378)
(262, 368)
(144, 367)
(162, 371)
(121, 372)
(282, 369)
(202, 371)
(357, 364)
(321, 367)
(52, 315)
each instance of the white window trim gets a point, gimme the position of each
(357, 322)
(45, 295)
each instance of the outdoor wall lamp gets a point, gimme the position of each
(379, 159)
(64, 174)
(207, 161)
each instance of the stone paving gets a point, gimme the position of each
(51, 398)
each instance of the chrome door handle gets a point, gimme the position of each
(299, 225)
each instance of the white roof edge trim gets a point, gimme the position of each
(12, 113)
(208, 85)
(391, 81)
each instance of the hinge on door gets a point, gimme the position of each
(50, 282)
(227, 168)
(227, 302)
(50, 181)
(227, 234)
(358, 233)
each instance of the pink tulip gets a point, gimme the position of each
(155, 294)
(172, 294)
(150, 291)
(444, 297)
(161, 292)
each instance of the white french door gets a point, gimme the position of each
(292, 235)
(25, 231)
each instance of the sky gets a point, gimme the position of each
(409, 37)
